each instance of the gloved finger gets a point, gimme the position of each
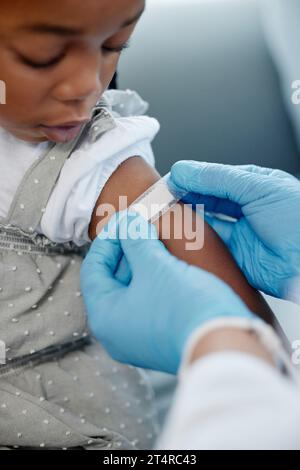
(99, 267)
(123, 272)
(214, 204)
(265, 171)
(223, 228)
(140, 243)
(221, 181)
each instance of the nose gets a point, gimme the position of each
(82, 81)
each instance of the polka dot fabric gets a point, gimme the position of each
(59, 388)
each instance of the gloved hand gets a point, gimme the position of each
(265, 240)
(145, 318)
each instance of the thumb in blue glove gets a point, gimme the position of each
(146, 318)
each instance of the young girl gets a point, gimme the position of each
(63, 151)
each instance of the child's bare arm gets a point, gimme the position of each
(131, 179)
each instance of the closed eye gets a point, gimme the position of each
(56, 60)
(38, 65)
(116, 49)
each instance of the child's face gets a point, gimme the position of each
(57, 58)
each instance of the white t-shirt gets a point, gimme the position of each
(84, 174)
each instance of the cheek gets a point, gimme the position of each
(108, 70)
(24, 92)
(28, 93)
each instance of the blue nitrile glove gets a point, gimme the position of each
(145, 319)
(265, 240)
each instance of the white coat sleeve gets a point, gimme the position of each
(233, 401)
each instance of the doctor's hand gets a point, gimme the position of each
(265, 240)
(142, 302)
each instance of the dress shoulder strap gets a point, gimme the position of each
(33, 193)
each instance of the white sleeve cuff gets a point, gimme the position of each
(265, 333)
(231, 401)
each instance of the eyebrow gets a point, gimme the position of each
(67, 31)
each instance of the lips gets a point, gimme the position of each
(63, 133)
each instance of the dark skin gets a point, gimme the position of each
(56, 75)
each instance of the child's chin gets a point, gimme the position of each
(34, 136)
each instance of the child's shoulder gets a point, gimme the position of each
(121, 122)
(124, 103)
(121, 131)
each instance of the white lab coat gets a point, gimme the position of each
(231, 401)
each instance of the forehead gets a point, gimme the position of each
(86, 16)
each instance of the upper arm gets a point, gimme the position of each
(131, 179)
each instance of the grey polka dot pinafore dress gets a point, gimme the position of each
(58, 387)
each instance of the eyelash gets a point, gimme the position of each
(111, 50)
(106, 50)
